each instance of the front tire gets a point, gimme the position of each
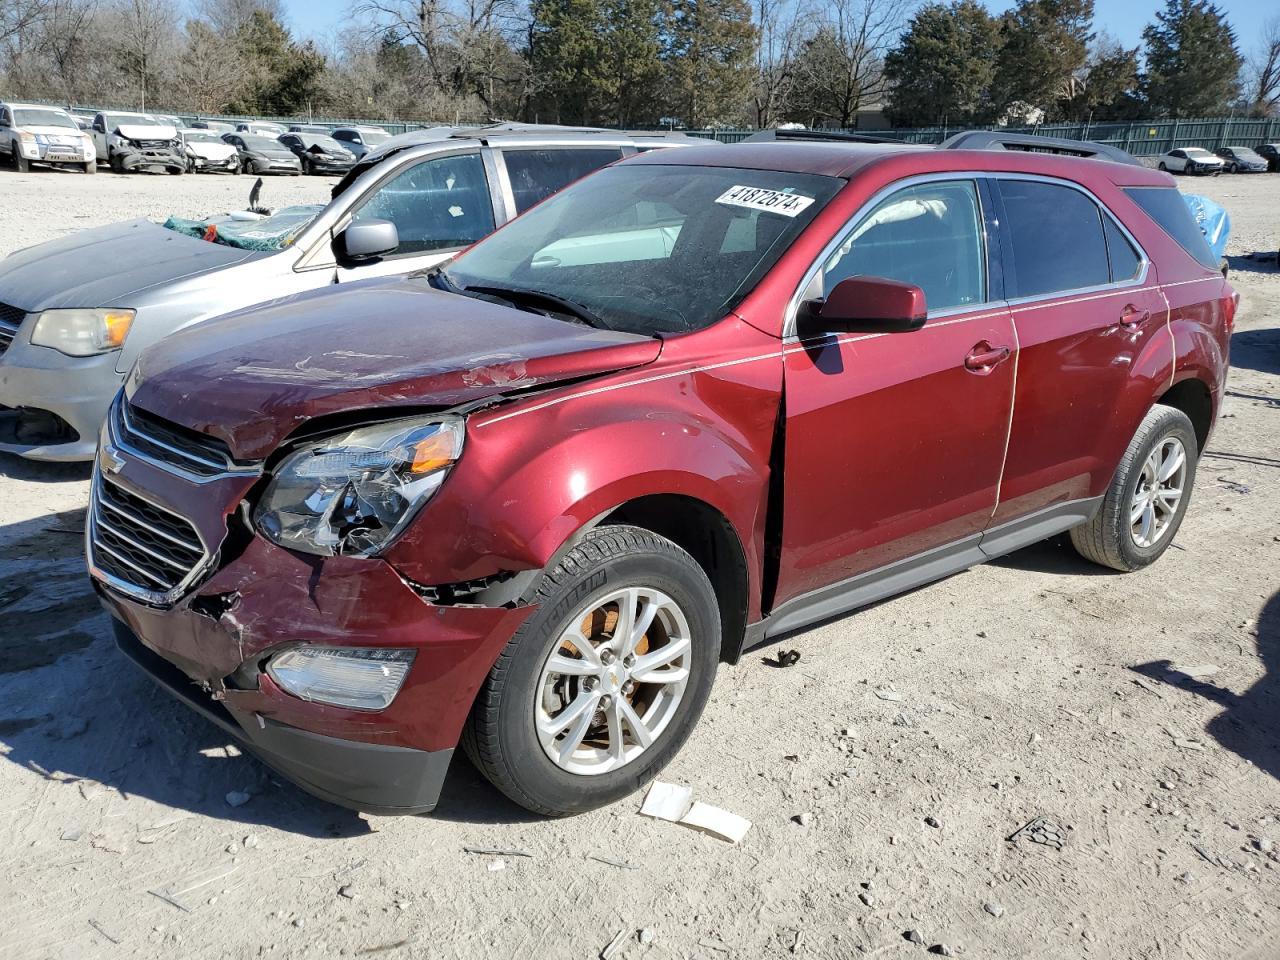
(597, 691)
(1144, 506)
(91, 167)
(20, 163)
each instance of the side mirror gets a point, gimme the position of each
(368, 240)
(867, 305)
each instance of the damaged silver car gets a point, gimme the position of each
(76, 312)
(136, 142)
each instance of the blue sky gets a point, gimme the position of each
(1123, 19)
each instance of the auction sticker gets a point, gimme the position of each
(770, 201)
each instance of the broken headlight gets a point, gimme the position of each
(353, 493)
(82, 333)
(357, 677)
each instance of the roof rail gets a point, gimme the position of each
(1030, 143)
(833, 136)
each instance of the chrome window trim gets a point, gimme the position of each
(156, 598)
(815, 268)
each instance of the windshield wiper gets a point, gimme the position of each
(438, 278)
(558, 304)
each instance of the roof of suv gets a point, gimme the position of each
(847, 160)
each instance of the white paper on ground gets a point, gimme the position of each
(713, 820)
(667, 801)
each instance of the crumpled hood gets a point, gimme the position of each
(105, 266)
(211, 151)
(254, 377)
(142, 131)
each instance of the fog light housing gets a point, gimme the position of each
(361, 678)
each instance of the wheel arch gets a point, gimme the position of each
(1193, 397)
(710, 538)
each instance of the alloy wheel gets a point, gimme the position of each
(1158, 492)
(613, 680)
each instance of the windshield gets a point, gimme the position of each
(42, 118)
(1197, 152)
(646, 248)
(1244, 153)
(199, 136)
(262, 143)
(370, 137)
(263, 233)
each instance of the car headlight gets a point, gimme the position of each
(357, 677)
(82, 333)
(353, 493)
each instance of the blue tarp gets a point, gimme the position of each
(1212, 220)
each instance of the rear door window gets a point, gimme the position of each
(1125, 261)
(437, 204)
(1057, 239)
(536, 174)
(929, 235)
(1166, 207)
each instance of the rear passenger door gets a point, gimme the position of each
(1085, 303)
(531, 174)
(894, 441)
(439, 205)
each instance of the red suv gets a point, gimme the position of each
(529, 502)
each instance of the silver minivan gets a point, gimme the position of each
(76, 312)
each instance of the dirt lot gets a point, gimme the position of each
(1032, 687)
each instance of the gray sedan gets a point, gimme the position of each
(76, 312)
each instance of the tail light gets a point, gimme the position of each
(1230, 306)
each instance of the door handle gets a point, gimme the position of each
(984, 357)
(1131, 318)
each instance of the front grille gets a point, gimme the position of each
(173, 445)
(148, 550)
(153, 144)
(10, 320)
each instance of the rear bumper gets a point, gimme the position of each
(370, 777)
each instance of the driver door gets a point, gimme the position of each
(438, 205)
(894, 442)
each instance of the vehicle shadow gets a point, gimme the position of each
(1055, 555)
(1256, 350)
(14, 467)
(1250, 725)
(76, 713)
(1247, 264)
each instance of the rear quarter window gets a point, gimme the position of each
(1166, 207)
(537, 174)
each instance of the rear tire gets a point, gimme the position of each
(1138, 520)
(511, 735)
(1163, 167)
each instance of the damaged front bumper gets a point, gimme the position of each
(133, 159)
(211, 647)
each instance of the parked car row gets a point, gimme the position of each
(1197, 160)
(526, 498)
(129, 142)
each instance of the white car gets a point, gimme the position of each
(34, 134)
(208, 152)
(1192, 160)
(130, 142)
(360, 140)
(261, 128)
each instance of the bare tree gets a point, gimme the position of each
(464, 43)
(841, 67)
(146, 31)
(780, 39)
(18, 17)
(1264, 71)
(226, 17)
(210, 68)
(65, 40)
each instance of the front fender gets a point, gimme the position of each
(530, 478)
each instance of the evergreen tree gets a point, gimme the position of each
(943, 67)
(709, 47)
(1193, 65)
(1043, 47)
(566, 52)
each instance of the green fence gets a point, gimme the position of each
(1146, 138)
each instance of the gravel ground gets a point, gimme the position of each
(1031, 687)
